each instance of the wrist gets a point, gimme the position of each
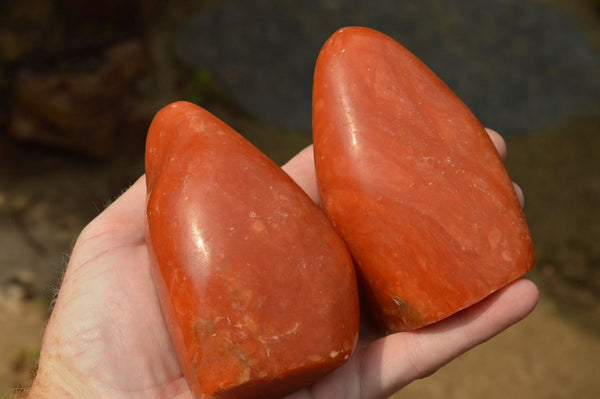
(54, 381)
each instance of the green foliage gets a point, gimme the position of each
(199, 87)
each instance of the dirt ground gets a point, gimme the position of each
(552, 354)
(47, 196)
(542, 357)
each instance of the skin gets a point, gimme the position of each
(106, 337)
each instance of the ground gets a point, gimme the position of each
(551, 354)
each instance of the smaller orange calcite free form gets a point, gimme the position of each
(258, 291)
(412, 182)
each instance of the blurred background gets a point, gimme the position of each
(80, 82)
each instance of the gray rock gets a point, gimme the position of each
(519, 65)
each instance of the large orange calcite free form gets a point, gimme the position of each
(257, 289)
(412, 183)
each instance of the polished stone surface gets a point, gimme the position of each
(412, 182)
(258, 290)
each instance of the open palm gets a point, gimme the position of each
(107, 338)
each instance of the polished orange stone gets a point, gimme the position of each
(412, 183)
(258, 291)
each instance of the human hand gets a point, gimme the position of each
(106, 337)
